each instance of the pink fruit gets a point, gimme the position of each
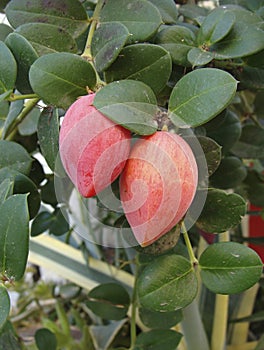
(93, 149)
(157, 185)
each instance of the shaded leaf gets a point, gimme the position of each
(154, 319)
(229, 267)
(254, 187)
(251, 78)
(28, 126)
(45, 339)
(14, 156)
(8, 71)
(212, 153)
(59, 78)
(6, 189)
(59, 225)
(14, 235)
(4, 305)
(4, 31)
(41, 223)
(154, 70)
(188, 104)
(167, 9)
(158, 339)
(221, 211)
(193, 11)
(14, 110)
(129, 103)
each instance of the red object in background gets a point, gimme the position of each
(256, 229)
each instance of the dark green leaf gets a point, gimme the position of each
(167, 284)
(252, 5)
(141, 18)
(4, 31)
(129, 103)
(221, 211)
(8, 71)
(41, 223)
(25, 55)
(254, 186)
(200, 95)
(158, 339)
(14, 110)
(108, 40)
(47, 38)
(109, 301)
(6, 189)
(154, 319)
(230, 173)
(212, 153)
(29, 125)
(48, 135)
(14, 235)
(48, 194)
(229, 267)
(154, 70)
(3, 5)
(4, 305)
(68, 14)
(193, 11)
(59, 225)
(251, 143)
(199, 57)
(178, 41)
(167, 9)
(59, 78)
(45, 339)
(14, 156)
(251, 78)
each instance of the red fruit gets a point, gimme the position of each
(157, 185)
(93, 149)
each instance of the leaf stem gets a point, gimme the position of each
(14, 97)
(192, 257)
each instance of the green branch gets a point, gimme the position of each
(192, 257)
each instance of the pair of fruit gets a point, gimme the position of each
(158, 174)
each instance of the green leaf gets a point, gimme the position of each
(154, 70)
(251, 78)
(188, 104)
(129, 103)
(59, 78)
(193, 12)
(254, 187)
(15, 157)
(108, 40)
(103, 336)
(212, 153)
(14, 110)
(141, 18)
(6, 189)
(45, 339)
(154, 319)
(48, 135)
(4, 305)
(199, 57)
(59, 225)
(167, 284)
(8, 70)
(47, 38)
(157, 339)
(25, 55)
(178, 41)
(251, 143)
(68, 14)
(230, 173)
(4, 31)
(41, 223)
(167, 9)
(109, 301)
(14, 235)
(221, 211)
(229, 267)
(29, 125)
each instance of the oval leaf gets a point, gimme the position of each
(15, 157)
(154, 70)
(14, 233)
(41, 223)
(4, 31)
(199, 57)
(157, 339)
(4, 305)
(68, 14)
(8, 71)
(254, 187)
(59, 78)
(129, 103)
(167, 9)
(188, 104)
(154, 319)
(108, 40)
(45, 339)
(221, 211)
(141, 18)
(212, 153)
(109, 301)
(229, 267)
(167, 284)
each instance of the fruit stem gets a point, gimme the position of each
(192, 257)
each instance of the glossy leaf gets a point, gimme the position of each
(5, 30)
(45, 339)
(48, 135)
(108, 40)
(68, 14)
(251, 143)
(14, 235)
(129, 103)
(8, 70)
(47, 38)
(25, 55)
(199, 57)
(212, 153)
(4, 305)
(154, 70)
(41, 223)
(163, 320)
(167, 9)
(59, 225)
(6, 189)
(109, 301)
(189, 101)
(59, 78)
(229, 267)
(221, 211)
(157, 339)
(14, 156)
(178, 41)
(167, 284)
(141, 18)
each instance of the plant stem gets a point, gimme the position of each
(14, 97)
(133, 333)
(193, 259)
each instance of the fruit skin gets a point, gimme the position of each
(93, 149)
(157, 185)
